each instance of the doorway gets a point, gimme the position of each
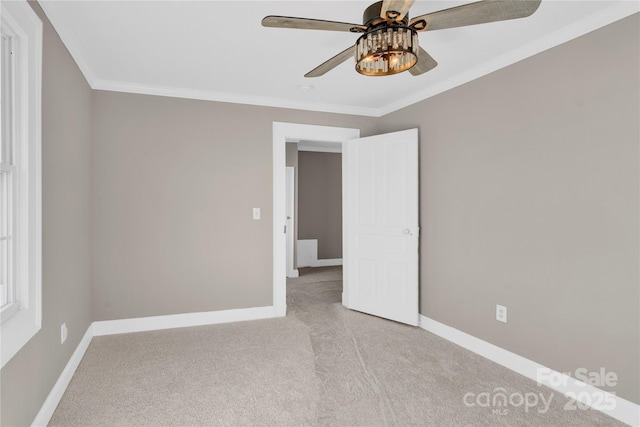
(283, 133)
(314, 205)
(380, 219)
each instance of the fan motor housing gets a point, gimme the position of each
(371, 16)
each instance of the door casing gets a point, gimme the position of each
(291, 221)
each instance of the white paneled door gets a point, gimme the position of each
(381, 234)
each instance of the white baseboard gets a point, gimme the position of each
(623, 410)
(51, 403)
(124, 326)
(326, 262)
(293, 273)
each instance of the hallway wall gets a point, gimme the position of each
(320, 201)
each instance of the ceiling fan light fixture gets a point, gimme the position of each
(389, 44)
(386, 51)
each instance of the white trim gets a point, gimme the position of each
(327, 262)
(290, 174)
(319, 147)
(282, 133)
(53, 399)
(321, 150)
(27, 321)
(346, 241)
(154, 323)
(624, 410)
(208, 95)
(294, 273)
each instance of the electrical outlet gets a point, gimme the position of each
(501, 313)
(256, 213)
(63, 333)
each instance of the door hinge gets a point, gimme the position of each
(285, 229)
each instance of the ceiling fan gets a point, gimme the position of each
(389, 39)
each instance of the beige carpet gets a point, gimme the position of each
(321, 365)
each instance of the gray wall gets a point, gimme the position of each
(174, 183)
(320, 201)
(529, 199)
(66, 134)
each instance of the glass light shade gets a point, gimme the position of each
(386, 51)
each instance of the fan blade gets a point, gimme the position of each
(311, 24)
(425, 63)
(477, 13)
(332, 63)
(401, 7)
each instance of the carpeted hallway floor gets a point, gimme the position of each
(321, 365)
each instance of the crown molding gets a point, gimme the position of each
(230, 98)
(73, 46)
(69, 39)
(608, 16)
(617, 11)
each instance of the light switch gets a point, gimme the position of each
(256, 213)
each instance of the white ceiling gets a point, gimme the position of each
(218, 50)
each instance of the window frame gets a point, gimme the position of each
(25, 27)
(8, 169)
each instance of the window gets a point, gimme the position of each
(8, 296)
(20, 176)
